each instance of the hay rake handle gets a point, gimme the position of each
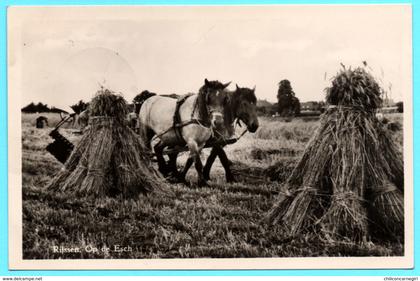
(64, 120)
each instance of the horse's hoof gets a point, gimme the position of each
(172, 179)
(231, 179)
(182, 181)
(164, 173)
(202, 183)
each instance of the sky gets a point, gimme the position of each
(65, 54)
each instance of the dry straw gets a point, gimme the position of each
(110, 158)
(350, 178)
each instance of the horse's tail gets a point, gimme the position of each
(141, 98)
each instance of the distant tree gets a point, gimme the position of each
(322, 106)
(34, 108)
(261, 110)
(400, 106)
(30, 108)
(295, 106)
(265, 107)
(272, 110)
(288, 103)
(40, 107)
(79, 106)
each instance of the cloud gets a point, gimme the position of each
(250, 48)
(166, 56)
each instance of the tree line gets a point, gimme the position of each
(40, 107)
(44, 108)
(287, 104)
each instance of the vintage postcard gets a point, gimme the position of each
(210, 137)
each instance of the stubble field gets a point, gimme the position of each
(219, 221)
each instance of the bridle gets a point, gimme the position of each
(213, 112)
(209, 112)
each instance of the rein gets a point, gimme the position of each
(238, 122)
(224, 140)
(242, 134)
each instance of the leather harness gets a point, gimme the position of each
(177, 124)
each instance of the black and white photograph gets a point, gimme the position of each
(210, 137)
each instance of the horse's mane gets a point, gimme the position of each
(140, 99)
(173, 96)
(201, 103)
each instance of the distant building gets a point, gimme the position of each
(41, 122)
(389, 109)
(387, 102)
(311, 106)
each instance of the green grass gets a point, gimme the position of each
(222, 220)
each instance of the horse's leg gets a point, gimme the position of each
(158, 148)
(172, 164)
(199, 167)
(225, 163)
(174, 175)
(172, 168)
(217, 150)
(209, 163)
(195, 156)
(187, 166)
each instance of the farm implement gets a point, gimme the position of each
(61, 147)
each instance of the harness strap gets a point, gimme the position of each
(177, 124)
(192, 121)
(180, 101)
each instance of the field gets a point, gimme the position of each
(222, 220)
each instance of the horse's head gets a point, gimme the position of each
(212, 99)
(245, 107)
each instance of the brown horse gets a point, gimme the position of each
(241, 105)
(199, 116)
